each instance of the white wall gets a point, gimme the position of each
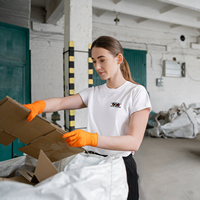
(47, 67)
(47, 63)
(175, 90)
(16, 12)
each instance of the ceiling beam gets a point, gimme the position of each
(167, 8)
(100, 13)
(140, 20)
(175, 25)
(55, 10)
(117, 1)
(47, 28)
(191, 4)
(133, 9)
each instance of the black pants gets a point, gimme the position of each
(132, 177)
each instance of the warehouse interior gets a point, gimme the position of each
(162, 30)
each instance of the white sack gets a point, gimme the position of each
(10, 167)
(177, 123)
(183, 126)
(85, 177)
(196, 109)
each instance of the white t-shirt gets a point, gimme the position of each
(109, 110)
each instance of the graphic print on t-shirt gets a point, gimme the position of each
(115, 104)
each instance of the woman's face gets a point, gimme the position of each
(105, 64)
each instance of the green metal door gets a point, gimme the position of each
(14, 74)
(137, 63)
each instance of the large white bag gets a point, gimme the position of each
(183, 126)
(81, 177)
(196, 110)
(176, 123)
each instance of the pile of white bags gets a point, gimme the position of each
(81, 177)
(181, 122)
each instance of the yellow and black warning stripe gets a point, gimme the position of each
(90, 67)
(71, 84)
(64, 86)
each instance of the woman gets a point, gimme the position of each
(117, 111)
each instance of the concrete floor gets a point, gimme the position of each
(169, 169)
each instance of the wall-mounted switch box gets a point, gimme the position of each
(159, 82)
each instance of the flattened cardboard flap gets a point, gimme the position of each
(16, 179)
(37, 134)
(43, 170)
(28, 175)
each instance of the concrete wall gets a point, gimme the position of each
(16, 14)
(161, 46)
(47, 65)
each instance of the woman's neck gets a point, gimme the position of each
(116, 81)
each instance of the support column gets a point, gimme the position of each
(78, 29)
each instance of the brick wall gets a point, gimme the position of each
(47, 71)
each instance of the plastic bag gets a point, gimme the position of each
(176, 123)
(84, 177)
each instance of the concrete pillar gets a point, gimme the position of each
(78, 28)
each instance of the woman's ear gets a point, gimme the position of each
(119, 58)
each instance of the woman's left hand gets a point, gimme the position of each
(79, 138)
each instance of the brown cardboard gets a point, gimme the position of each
(43, 170)
(37, 134)
(20, 179)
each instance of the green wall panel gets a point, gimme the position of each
(137, 64)
(5, 152)
(14, 74)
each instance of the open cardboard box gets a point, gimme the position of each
(44, 169)
(39, 134)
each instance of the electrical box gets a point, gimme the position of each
(159, 82)
(173, 69)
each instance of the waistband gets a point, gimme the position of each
(92, 152)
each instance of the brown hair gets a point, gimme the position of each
(114, 46)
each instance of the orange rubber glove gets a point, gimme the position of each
(36, 108)
(80, 138)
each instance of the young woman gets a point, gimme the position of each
(117, 111)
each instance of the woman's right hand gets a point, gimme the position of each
(36, 108)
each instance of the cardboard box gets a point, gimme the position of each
(37, 134)
(44, 169)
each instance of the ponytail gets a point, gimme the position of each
(124, 67)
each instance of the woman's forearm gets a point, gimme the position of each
(64, 103)
(120, 143)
